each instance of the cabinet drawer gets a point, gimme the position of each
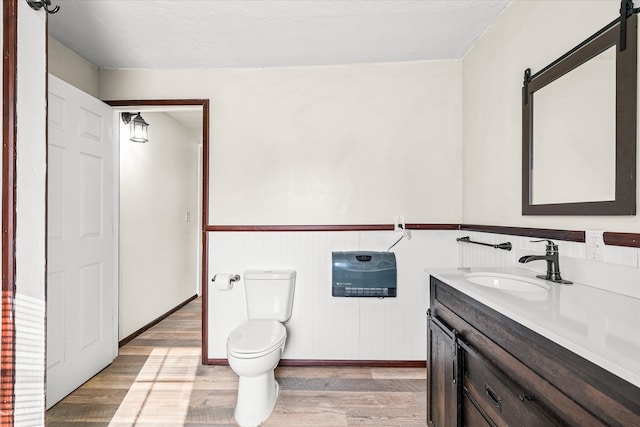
(501, 399)
(472, 417)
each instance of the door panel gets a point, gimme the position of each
(443, 375)
(81, 281)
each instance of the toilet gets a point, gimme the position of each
(255, 347)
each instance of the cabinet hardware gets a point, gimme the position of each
(524, 397)
(455, 342)
(494, 398)
(453, 362)
(626, 10)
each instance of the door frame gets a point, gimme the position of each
(204, 103)
(9, 97)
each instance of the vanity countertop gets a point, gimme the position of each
(601, 326)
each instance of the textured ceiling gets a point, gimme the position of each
(265, 33)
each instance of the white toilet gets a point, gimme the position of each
(254, 348)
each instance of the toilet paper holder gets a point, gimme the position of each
(233, 279)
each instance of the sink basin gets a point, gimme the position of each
(507, 282)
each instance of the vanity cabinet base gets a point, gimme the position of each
(502, 373)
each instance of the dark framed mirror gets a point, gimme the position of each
(579, 127)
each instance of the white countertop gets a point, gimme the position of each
(602, 327)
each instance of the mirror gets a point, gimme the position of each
(584, 121)
(579, 129)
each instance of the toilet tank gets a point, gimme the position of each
(269, 293)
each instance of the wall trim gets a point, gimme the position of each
(339, 362)
(166, 102)
(9, 97)
(546, 233)
(631, 240)
(610, 238)
(151, 324)
(336, 227)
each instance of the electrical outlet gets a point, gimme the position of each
(595, 245)
(398, 223)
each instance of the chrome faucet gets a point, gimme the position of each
(553, 262)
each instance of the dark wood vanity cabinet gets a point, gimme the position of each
(484, 369)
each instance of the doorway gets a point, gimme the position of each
(159, 215)
(173, 106)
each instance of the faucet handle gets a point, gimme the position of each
(551, 245)
(549, 242)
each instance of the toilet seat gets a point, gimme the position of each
(256, 338)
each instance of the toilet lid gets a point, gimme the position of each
(256, 336)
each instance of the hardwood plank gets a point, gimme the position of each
(163, 342)
(293, 400)
(399, 373)
(135, 350)
(325, 372)
(88, 396)
(76, 424)
(94, 412)
(211, 414)
(328, 419)
(390, 417)
(301, 408)
(107, 381)
(355, 385)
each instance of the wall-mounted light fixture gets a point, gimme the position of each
(138, 128)
(37, 5)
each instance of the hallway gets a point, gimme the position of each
(157, 380)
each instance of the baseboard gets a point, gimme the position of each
(340, 362)
(155, 322)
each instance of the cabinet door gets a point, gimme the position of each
(443, 375)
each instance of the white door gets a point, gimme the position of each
(81, 284)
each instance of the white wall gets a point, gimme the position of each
(528, 34)
(72, 68)
(158, 247)
(30, 217)
(322, 145)
(322, 326)
(351, 144)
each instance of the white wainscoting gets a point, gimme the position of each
(321, 326)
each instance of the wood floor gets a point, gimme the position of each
(157, 380)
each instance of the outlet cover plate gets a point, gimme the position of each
(398, 223)
(594, 244)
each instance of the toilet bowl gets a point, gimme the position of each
(253, 351)
(255, 347)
